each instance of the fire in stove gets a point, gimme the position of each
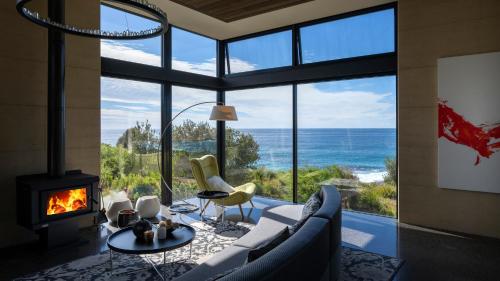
(67, 201)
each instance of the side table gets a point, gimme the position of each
(210, 196)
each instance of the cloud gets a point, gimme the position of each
(345, 109)
(131, 107)
(205, 68)
(121, 119)
(238, 65)
(117, 50)
(262, 108)
(272, 108)
(126, 101)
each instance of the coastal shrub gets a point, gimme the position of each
(137, 185)
(392, 171)
(134, 170)
(275, 184)
(376, 198)
(141, 139)
(184, 188)
(310, 178)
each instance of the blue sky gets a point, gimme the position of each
(361, 103)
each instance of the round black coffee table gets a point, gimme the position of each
(209, 196)
(125, 242)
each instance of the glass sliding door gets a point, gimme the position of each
(347, 138)
(130, 126)
(259, 144)
(193, 135)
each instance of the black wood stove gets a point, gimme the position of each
(51, 204)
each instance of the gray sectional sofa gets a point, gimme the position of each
(312, 253)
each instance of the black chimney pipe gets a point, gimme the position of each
(56, 124)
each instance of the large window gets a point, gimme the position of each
(145, 51)
(347, 138)
(345, 133)
(267, 51)
(193, 53)
(193, 135)
(130, 126)
(259, 144)
(366, 34)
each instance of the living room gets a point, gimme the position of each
(250, 140)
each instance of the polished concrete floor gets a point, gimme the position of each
(427, 254)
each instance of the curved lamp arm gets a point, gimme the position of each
(163, 134)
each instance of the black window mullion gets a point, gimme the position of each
(166, 117)
(295, 62)
(295, 155)
(299, 45)
(221, 98)
(295, 48)
(226, 53)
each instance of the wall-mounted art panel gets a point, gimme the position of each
(469, 122)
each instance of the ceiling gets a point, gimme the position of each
(263, 19)
(232, 10)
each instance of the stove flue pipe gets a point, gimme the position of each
(56, 119)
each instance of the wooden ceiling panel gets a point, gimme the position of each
(232, 10)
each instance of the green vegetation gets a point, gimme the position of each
(131, 166)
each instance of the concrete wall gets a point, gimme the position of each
(23, 104)
(428, 30)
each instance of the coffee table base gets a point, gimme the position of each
(155, 266)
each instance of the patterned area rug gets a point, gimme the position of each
(210, 238)
(358, 265)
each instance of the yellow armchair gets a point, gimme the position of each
(206, 167)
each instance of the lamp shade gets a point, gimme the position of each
(223, 113)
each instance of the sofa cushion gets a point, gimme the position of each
(303, 256)
(267, 247)
(227, 259)
(272, 222)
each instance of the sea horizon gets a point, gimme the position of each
(362, 150)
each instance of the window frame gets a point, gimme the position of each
(298, 73)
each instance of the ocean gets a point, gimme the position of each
(361, 150)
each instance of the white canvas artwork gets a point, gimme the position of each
(469, 122)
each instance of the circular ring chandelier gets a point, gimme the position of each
(153, 11)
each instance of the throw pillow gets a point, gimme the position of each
(220, 275)
(268, 246)
(310, 207)
(216, 183)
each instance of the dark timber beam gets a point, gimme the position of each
(369, 66)
(148, 73)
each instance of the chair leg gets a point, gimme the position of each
(241, 211)
(204, 208)
(251, 203)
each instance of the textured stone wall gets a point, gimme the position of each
(428, 30)
(23, 104)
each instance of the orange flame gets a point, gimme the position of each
(67, 201)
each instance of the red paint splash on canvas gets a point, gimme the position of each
(484, 138)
